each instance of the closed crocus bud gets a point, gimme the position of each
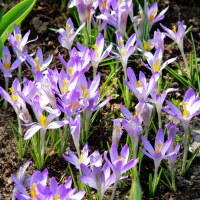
(117, 131)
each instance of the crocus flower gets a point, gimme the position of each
(76, 161)
(119, 162)
(160, 148)
(155, 61)
(17, 41)
(86, 8)
(190, 107)
(117, 131)
(118, 15)
(140, 88)
(152, 16)
(44, 122)
(176, 35)
(38, 63)
(97, 55)
(67, 35)
(99, 177)
(125, 51)
(5, 64)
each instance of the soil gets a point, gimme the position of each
(47, 15)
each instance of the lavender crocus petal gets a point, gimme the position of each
(102, 104)
(147, 154)
(130, 165)
(189, 93)
(161, 15)
(113, 153)
(166, 146)
(159, 137)
(126, 112)
(147, 145)
(47, 62)
(56, 124)
(174, 109)
(125, 153)
(32, 130)
(88, 181)
(170, 33)
(166, 63)
(86, 171)
(78, 196)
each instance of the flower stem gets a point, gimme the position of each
(6, 87)
(186, 147)
(154, 180)
(173, 177)
(21, 150)
(114, 190)
(42, 147)
(159, 119)
(186, 63)
(20, 73)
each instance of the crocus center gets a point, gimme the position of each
(80, 160)
(6, 63)
(156, 66)
(140, 15)
(152, 16)
(159, 146)
(70, 71)
(123, 51)
(118, 128)
(95, 47)
(33, 190)
(43, 120)
(67, 27)
(14, 97)
(65, 88)
(185, 112)
(174, 29)
(139, 84)
(56, 196)
(120, 158)
(84, 91)
(156, 91)
(103, 4)
(18, 37)
(146, 45)
(74, 105)
(38, 67)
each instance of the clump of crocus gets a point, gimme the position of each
(119, 163)
(39, 189)
(190, 108)
(158, 153)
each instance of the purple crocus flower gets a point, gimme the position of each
(99, 177)
(140, 88)
(17, 41)
(44, 122)
(119, 162)
(68, 35)
(160, 148)
(152, 16)
(125, 51)
(155, 61)
(83, 157)
(97, 55)
(118, 15)
(190, 108)
(176, 35)
(38, 63)
(117, 131)
(86, 8)
(5, 64)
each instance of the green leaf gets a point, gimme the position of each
(136, 191)
(1, 48)
(15, 16)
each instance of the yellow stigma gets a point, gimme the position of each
(120, 158)
(43, 120)
(185, 112)
(6, 63)
(103, 4)
(18, 37)
(14, 97)
(56, 196)
(174, 29)
(118, 128)
(74, 105)
(38, 67)
(65, 88)
(67, 27)
(95, 47)
(123, 51)
(156, 66)
(84, 91)
(70, 71)
(121, 42)
(146, 45)
(139, 84)
(156, 91)
(33, 191)
(80, 160)
(152, 16)
(159, 146)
